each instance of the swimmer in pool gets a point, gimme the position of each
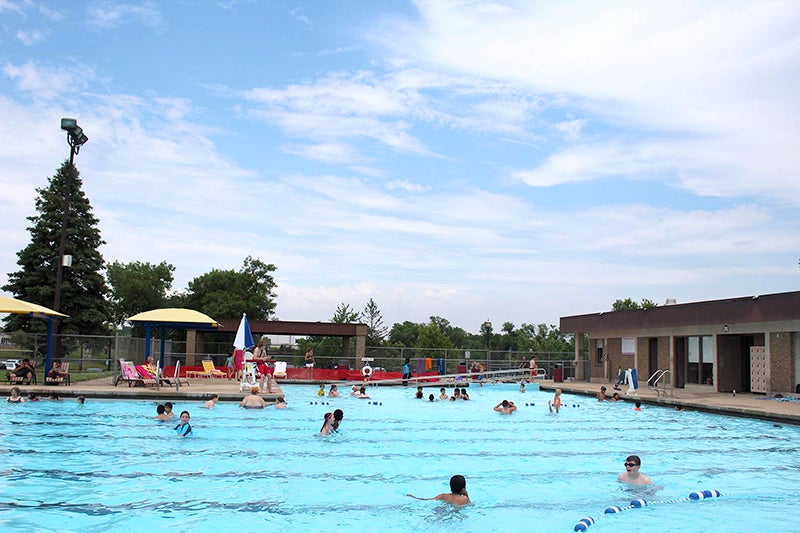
(458, 492)
(15, 396)
(253, 400)
(211, 402)
(160, 414)
(443, 394)
(632, 476)
(555, 404)
(331, 422)
(280, 403)
(184, 429)
(334, 392)
(505, 407)
(601, 396)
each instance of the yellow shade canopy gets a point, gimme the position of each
(175, 316)
(20, 307)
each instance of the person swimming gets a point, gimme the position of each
(331, 422)
(458, 492)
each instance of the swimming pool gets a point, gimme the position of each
(106, 464)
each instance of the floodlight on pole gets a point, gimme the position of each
(75, 138)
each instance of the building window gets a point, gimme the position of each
(701, 360)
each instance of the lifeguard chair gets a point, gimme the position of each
(249, 377)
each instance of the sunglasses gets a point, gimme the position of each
(630, 464)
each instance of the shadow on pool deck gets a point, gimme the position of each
(700, 398)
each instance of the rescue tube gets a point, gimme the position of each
(366, 371)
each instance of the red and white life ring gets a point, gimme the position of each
(366, 371)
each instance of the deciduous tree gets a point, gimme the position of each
(138, 287)
(228, 293)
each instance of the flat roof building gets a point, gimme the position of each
(748, 344)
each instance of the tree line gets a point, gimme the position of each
(98, 297)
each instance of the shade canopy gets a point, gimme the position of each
(175, 317)
(172, 318)
(19, 307)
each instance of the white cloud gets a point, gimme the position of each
(110, 15)
(718, 73)
(326, 152)
(29, 38)
(47, 83)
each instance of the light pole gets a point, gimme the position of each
(75, 138)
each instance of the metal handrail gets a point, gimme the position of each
(660, 377)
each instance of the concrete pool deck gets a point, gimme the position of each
(690, 398)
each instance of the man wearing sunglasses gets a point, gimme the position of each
(632, 474)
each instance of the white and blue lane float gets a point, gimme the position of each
(584, 523)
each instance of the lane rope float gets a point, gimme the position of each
(638, 503)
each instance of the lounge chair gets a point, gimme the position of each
(175, 379)
(147, 378)
(128, 374)
(61, 375)
(280, 370)
(210, 371)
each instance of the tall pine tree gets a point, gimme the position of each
(83, 287)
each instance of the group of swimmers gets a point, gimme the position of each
(15, 396)
(458, 484)
(458, 394)
(164, 414)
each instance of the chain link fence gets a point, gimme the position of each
(97, 353)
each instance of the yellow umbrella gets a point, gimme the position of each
(173, 318)
(19, 307)
(172, 315)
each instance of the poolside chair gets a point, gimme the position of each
(62, 375)
(175, 379)
(249, 378)
(280, 370)
(128, 374)
(209, 370)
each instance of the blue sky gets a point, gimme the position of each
(511, 160)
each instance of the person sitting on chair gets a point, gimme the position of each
(57, 371)
(25, 371)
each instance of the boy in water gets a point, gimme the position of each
(632, 475)
(458, 492)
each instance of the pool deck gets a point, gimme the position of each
(698, 398)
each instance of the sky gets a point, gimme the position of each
(511, 161)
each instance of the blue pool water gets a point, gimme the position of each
(107, 464)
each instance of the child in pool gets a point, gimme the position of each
(184, 429)
(458, 492)
(555, 404)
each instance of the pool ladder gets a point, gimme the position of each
(661, 383)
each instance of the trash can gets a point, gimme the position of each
(462, 368)
(558, 374)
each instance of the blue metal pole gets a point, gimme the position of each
(49, 356)
(147, 337)
(163, 343)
